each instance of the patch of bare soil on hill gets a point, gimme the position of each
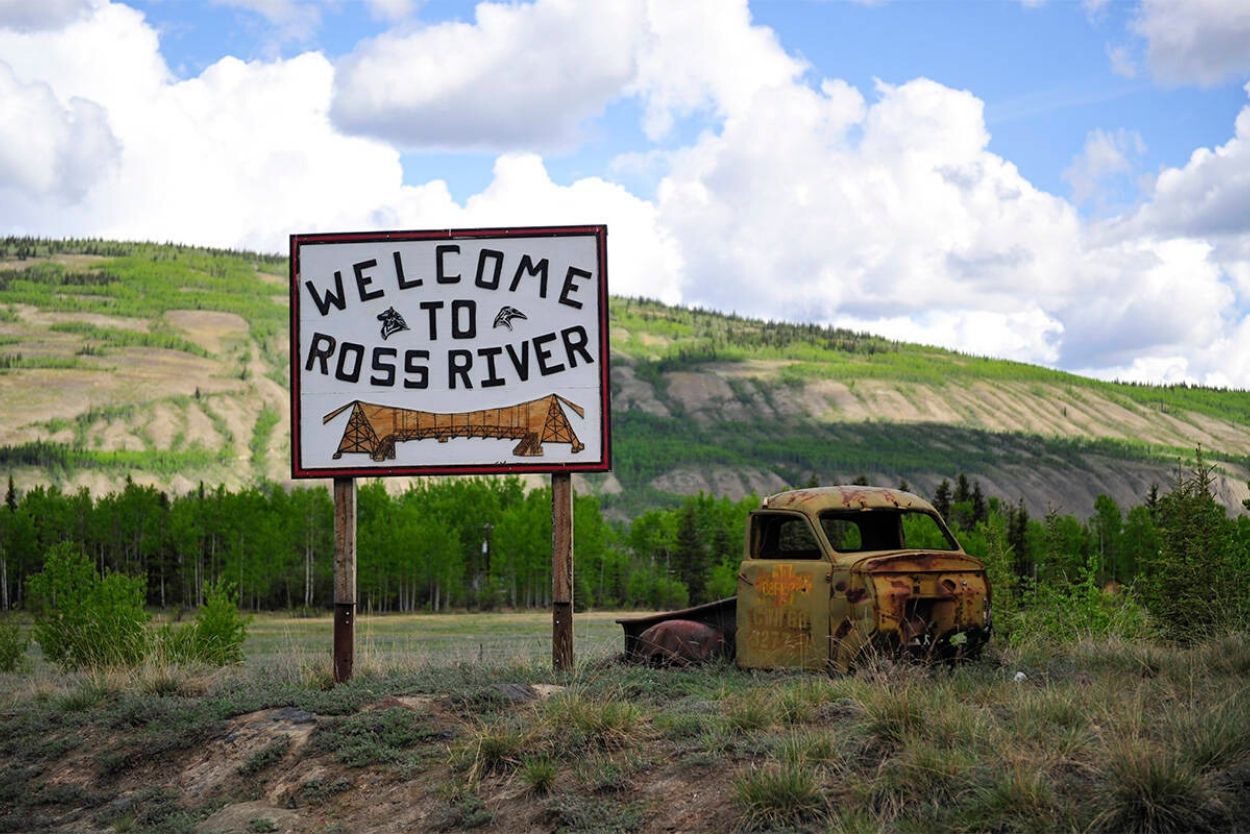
(290, 770)
(200, 428)
(134, 375)
(720, 480)
(167, 373)
(115, 436)
(629, 392)
(605, 484)
(80, 262)
(239, 414)
(163, 424)
(37, 395)
(208, 328)
(47, 318)
(707, 396)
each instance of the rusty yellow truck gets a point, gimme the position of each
(829, 575)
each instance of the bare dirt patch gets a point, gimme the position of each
(239, 414)
(209, 329)
(47, 318)
(77, 262)
(724, 481)
(200, 428)
(163, 424)
(35, 396)
(115, 436)
(633, 393)
(706, 395)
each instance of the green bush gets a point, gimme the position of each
(1083, 609)
(85, 620)
(1195, 584)
(13, 642)
(215, 636)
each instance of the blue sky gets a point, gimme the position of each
(1043, 72)
(1066, 183)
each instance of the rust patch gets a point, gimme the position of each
(785, 629)
(782, 584)
(680, 642)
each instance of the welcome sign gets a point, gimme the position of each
(451, 351)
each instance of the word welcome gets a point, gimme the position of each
(489, 274)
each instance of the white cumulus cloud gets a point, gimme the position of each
(1196, 41)
(520, 76)
(1108, 154)
(705, 55)
(1209, 195)
(802, 198)
(296, 20)
(35, 15)
(48, 149)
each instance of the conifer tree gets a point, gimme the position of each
(979, 511)
(690, 554)
(963, 490)
(942, 499)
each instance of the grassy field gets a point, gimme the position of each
(419, 639)
(457, 723)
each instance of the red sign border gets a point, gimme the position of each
(598, 232)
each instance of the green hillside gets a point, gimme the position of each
(169, 364)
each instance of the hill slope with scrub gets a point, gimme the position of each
(168, 364)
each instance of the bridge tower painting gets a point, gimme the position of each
(374, 429)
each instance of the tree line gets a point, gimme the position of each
(484, 543)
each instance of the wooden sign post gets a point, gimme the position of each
(344, 578)
(561, 570)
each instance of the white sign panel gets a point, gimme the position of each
(453, 351)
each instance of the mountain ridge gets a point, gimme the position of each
(168, 364)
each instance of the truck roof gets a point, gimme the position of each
(816, 499)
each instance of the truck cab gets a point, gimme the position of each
(831, 573)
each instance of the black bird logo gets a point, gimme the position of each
(392, 322)
(507, 314)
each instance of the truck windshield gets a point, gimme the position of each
(870, 530)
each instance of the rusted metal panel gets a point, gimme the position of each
(815, 499)
(720, 615)
(783, 614)
(681, 642)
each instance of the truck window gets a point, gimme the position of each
(870, 530)
(782, 537)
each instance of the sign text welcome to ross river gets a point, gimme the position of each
(454, 351)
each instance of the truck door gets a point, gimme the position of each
(783, 595)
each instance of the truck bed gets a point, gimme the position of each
(721, 614)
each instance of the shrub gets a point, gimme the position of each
(217, 633)
(538, 773)
(385, 736)
(778, 796)
(85, 620)
(13, 643)
(1194, 584)
(580, 723)
(1155, 790)
(220, 628)
(1070, 613)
